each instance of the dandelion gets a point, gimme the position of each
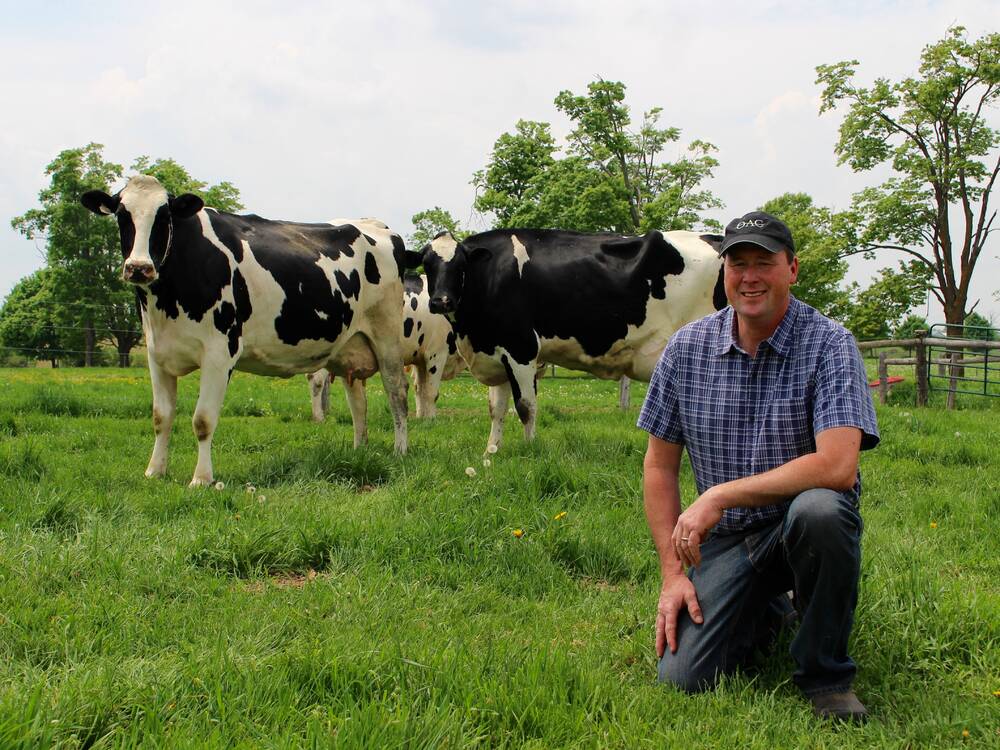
(965, 732)
(933, 524)
(220, 486)
(487, 463)
(261, 499)
(996, 693)
(236, 517)
(251, 489)
(906, 413)
(518, 533)
(958, 434)
(491, 449)
(559, 516)
(469, 471)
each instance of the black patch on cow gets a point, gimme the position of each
(371, 269)
(369, 238)
(452, 346)
(349, 285)
(140, 301)
(433, 369)
(590, 287)
(413, 284)
(229, 318)
(126, 231)
(715, 240)
(420, 341)
(719, 299)
(407, 328)
(290, 252)
(399, 254)
(519, 406)
(413, 303)
(420, 324)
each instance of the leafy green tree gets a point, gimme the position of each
(820, 249)
(82, 254)
(431, 221)
(877, 310)
(28, 323)
(932, 131)
(612, 177)
(980, 327)
(908, 328)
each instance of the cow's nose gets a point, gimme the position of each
(442, 304)
(138, 273)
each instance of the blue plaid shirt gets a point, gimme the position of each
(739, 416)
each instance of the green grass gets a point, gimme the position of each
(357, 599)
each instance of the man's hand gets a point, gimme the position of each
(676, 594)
(694, 524)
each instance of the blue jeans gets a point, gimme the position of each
(814, 550)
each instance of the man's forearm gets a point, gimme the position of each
(662, 501)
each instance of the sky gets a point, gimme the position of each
(384, 108)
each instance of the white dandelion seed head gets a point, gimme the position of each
(469, 471)
(491, 449)
(958, 434)
(220, 485)
(261, 499)
(251, 489)
(487, 463)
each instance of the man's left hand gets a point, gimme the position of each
(694, 524)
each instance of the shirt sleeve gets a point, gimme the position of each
(660, 413)
(843, 398)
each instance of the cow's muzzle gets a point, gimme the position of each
(138, 273)
(442, 305)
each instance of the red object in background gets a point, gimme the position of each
(891, 381)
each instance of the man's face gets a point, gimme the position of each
(758, 282)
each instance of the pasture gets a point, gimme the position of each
(326, 596)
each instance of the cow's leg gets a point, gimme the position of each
(432, 386)
(524, 388)
(164, 408)
(499, 401)
(319, 390)
(390, 364)
(214, 381)
(357, 402)
(420, 387)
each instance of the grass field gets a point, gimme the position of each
(357, 599)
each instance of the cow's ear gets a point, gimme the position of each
(100, 202)
(185, 206)
(415, 258)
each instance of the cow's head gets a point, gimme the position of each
(444, 260)
(146, 215)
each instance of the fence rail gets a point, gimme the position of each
(949, 355)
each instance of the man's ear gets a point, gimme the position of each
(185, 206)
(100, 202)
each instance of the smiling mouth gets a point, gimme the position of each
(753, 294)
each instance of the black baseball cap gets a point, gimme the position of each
(758, 228)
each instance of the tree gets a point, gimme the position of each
(612, 178)
(28, 323)
(176, 180)
(931, 130)
(431, 221)
(909, 327)
(82, 254)
(877, 310)
(980, 327)
(819, 248)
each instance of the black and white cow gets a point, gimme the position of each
(429, 349)
(602, 303)
(220, 292)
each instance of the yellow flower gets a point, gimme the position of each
(933, 524)
(965, 732)
(559, 516)
(518, 533)
(996, 693)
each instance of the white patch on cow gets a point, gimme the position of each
(445, 247)
(210, 235)
(142, 197)
(520, 254)
(322, 315)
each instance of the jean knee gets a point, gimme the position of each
(822, 516)
(676, 670)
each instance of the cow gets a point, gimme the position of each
(429, 350)
(602, 303)
(219, 292)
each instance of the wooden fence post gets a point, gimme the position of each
(953, 378)
(883, 379)
(623, 393)
(921, 367)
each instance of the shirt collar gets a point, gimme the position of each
(780, 340)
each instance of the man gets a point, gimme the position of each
(770, 399)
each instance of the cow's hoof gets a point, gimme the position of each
(199, 482)
(152, 473)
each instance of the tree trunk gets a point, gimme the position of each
(89, 342)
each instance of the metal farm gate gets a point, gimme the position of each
(968, 365)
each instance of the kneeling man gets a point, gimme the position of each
(771, 400)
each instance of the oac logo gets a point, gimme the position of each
(758, 223)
